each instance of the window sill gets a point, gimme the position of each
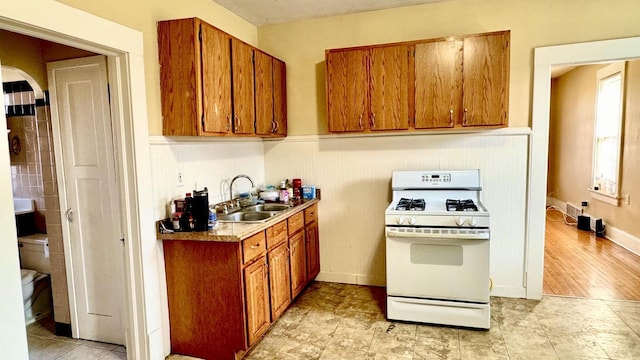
(600, 196)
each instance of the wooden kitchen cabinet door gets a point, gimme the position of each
(298, 263)
(347, 90)
(256, 287)
(389, 88)
(243, 87)
(486, 79)
(313, 250)
(280, 97)
(438, 84)
(216, 80)
(279, 279)
(264, 94)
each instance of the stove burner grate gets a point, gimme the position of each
(461, 205)
(410, 204)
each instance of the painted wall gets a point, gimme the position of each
(571, 145)
(532, 23)
(31, 55)
(142, 15)
(354, 174)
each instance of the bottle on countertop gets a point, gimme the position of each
(297, 189)
(186, 220)
(175, 217)
(213, 220)
(284, 192)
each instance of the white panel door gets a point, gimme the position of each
(79, 99)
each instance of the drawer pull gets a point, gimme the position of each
(255, 246)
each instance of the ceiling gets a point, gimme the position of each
(266, 12)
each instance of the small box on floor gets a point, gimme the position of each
(584, 223)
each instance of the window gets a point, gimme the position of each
(608, 132)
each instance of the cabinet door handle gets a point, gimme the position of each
(360, 121)
(237, 122)
(451, 117)
(228, 122)
(373, 121)
(464, 117)
(277, 126)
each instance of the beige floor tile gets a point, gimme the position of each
(438, 332)
(480, 351)
(116, 355)
(578, 344)
(120, 348)
(337, 353)
(351, 339)
(50, 349)
(429, 348)
(619, 346)
(84, 353)
(392, 342)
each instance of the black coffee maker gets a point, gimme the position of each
(200, 209)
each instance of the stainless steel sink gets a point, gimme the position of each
(266, 207)
(247, 216)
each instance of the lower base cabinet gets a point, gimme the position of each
(223, 296)
(256, 289)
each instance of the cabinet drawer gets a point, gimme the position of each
(253, 246)
(276, 234)
(295, 222)
(310, 214)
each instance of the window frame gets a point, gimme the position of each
(598, 191)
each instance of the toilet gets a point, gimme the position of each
(36, 281)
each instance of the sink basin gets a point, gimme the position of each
(267, 207)
(247, 216)
(23, 206)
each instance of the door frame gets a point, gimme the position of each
(123, 47)
(544, 59)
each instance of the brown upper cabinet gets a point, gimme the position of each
(208, 82)
(446, 83)
(367, 89)
(271, 104)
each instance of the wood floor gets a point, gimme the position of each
(577, 263)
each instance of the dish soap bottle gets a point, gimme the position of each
(284, 192)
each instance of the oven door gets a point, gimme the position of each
(447, 264)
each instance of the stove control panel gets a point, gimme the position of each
(435, 179)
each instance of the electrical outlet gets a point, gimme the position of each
(179, 179)
(627, 199)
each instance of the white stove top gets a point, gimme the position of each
(436, 187)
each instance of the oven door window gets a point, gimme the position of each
(434, 254)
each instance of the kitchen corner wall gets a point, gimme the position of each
(354, 174)
(203, 162)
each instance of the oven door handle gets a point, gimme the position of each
(481, 235)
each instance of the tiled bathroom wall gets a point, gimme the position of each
(33, 175)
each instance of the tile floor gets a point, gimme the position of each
(45, 345)
(332, 321)
(336, 321)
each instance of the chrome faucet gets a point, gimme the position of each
(236, 178)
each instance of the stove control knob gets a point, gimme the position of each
(472, 222)
(400, 220)
(460, 221)
(412, 221)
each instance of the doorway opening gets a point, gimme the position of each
(544, 60)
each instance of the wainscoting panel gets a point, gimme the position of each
(354, 174)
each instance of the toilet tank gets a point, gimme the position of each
(34, 253)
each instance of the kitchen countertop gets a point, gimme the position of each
(235, 231)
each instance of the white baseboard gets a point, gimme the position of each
(620, 237)
(624, 239)
(355, 279)
(510, 292)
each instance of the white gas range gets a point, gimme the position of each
(437, 248)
